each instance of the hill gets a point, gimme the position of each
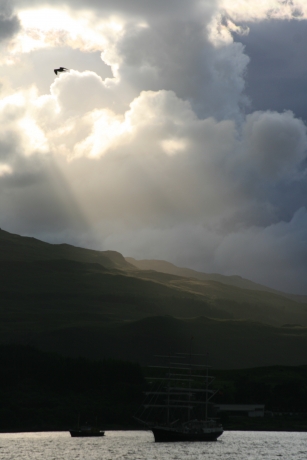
(266, 307)
(84, 309)
(232, 344)
(21, 248)
(163, 266)
(48, 392)
(81, 302)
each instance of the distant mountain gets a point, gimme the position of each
(78, 301)
(269, 308)
(163, 266)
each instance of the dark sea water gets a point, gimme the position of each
(120, 445)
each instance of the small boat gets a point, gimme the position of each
(178, 408)
(86, 431)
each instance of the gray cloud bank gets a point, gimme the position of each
(276, 74)
(162, 157)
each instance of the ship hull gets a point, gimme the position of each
(170, 435)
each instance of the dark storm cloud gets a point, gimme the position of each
(9, 23)
(276, 75)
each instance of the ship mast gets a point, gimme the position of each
(168, 390)
(184, 386)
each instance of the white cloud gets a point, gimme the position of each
(173, 145)
(78, 92)
(143, 53)
(5, 169)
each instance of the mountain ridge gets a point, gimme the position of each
(19, 248)
(164, 266)
(95, 303)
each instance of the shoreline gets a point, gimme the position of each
(238, 427)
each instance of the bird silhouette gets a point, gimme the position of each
(60, 69)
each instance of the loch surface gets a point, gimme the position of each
(140, 445)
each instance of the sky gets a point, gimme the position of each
(179, 132)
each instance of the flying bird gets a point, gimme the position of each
(61, 69)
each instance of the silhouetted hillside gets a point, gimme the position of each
(53, 298)
(26, 249)
(230, 344)
(44, 391)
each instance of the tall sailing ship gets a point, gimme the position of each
(178, 403)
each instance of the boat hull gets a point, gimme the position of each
(84, 434)
(169, 435)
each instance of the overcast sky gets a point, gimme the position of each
(179, 132)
